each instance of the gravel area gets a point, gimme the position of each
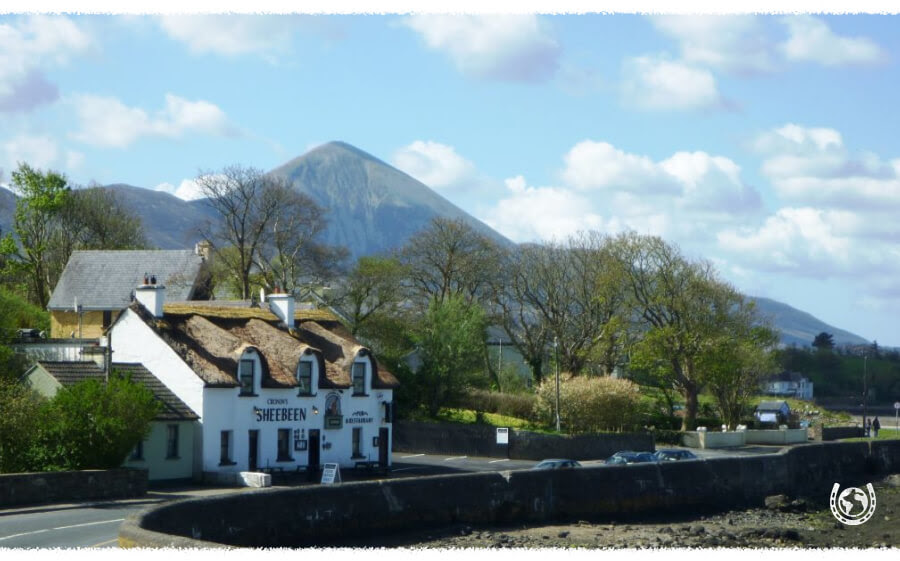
(784, 523)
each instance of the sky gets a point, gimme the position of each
(765, 143)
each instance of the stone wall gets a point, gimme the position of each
(18, 489)
(819, 433)
(334, 515)
(481, 440)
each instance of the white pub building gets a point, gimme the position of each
(275, 389)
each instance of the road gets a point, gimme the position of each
(96, 525)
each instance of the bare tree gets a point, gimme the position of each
(246, 200)
(292, 253)
(449, 258)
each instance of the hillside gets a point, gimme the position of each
(800, 328)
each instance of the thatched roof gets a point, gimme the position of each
(211, 340)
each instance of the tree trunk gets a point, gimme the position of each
(537, 374)
(691, 405)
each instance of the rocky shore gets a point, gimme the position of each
(783, 522)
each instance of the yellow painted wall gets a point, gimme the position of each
(62, 324)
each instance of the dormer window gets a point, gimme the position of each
(245, 376)
(359, 378)
(304, 377)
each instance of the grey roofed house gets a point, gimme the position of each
(70, 373)
(104, 280)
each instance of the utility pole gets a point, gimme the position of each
(556, 351)
(865, 389)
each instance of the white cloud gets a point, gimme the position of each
(731, 43)
(685, 197)
(434, 164)
(693, 181)
(106, 121)
(29, 45)
(812, 166)
(811, 40)
(541, 213)
(518, 48)
(37, 150)
(187, 190)
(658, 83)
(232, 35)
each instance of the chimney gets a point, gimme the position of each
(203, 249)
(282, 305)
(151, 296)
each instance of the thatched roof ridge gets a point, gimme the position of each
(210, 309)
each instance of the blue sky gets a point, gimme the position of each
(765, 143)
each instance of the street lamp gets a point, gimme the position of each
(556, 351)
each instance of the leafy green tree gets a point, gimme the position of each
(42, 196)
(16, 313)
(685, 310)
(451, 341)
(372, 289)
(93, 425)
(18, 429)
(823, 341)
(733, 366)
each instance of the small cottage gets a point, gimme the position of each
(775, 412)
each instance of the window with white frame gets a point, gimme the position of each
(245, 376)
(359, 378)
(305, 377)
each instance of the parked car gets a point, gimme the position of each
(557, 463)
(674, 455)
(629, 457)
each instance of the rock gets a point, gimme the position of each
(893, 480)
(563, 534)
(790, 534)
(776, 501)
(697, 530)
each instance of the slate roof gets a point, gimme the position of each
(104, 280)
(70, 373)
(772, 406)
(211, 341)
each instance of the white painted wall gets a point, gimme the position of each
(133, 341)
(223, 409)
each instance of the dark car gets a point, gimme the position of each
(557, 464)
(674, 455)
(629, 457)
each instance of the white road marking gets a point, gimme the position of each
(89, 524)
(405, 469)
(455, 458)
(61, 528)
(105, 543)
(413, 456)
(495, 461)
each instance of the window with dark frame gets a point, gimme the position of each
(172, 441)
(138, 452)
(359, 378)
(245, 376)
(304, 378)
(357, 442)
(225, 448)
(284, 445)
(107, 318)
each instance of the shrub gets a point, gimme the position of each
(590, 404)
(520, 406)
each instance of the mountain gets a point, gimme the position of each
(800, 328)
(7, 209)
(373, 207)
(169, 222)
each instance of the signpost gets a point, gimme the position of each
(502, 435)
(331, 474)
(896, 412)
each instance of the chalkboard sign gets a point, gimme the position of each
(331, 474)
